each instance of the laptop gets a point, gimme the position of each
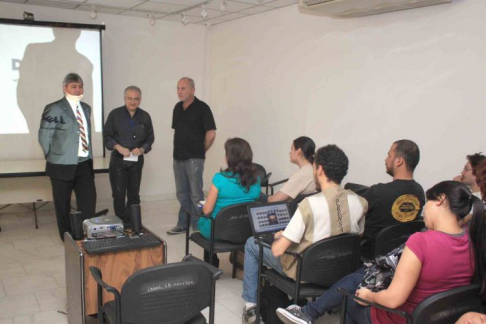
(267, 219)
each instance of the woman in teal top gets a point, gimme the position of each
(238, 183)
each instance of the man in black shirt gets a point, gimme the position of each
(395, 202)
(129, 134)
(194, 133)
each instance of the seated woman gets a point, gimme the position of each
(238, 183)
(301, 182)
(421, 264)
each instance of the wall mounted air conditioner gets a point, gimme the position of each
(359, 8)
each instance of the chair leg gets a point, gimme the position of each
(344, 305)
(233, 273)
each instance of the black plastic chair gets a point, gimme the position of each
(295, 203)
(264, 176)
(273, 185)
(172, 293)
(318, 267)
(229, 232)
(393, 236)
(443, 308)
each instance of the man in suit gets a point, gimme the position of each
(65, 138)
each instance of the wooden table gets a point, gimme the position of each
(116, 267)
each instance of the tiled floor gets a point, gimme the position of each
(32, 277)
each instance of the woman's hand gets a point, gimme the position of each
(363, 293)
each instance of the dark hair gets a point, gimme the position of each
(333, 161)
(307, 146)
(409, 151)
(240, 161)
(481, 177)
(475, 159)
(71, 78)
(461, 200)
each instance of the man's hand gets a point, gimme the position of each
(122, 150)
(138, 151)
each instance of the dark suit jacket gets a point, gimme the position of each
(59, 138)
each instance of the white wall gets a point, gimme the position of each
(360, 83)
(153, 58)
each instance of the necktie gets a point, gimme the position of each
(82, 132)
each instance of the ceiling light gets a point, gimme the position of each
(224, 6)
(185, 21)
(204, 13)
(94, 13)
(152, 20)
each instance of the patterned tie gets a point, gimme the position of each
(82, 133)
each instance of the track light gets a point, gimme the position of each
(94, 13)
(204, 13)
(152, 20)
(224, 6)
(185, 21)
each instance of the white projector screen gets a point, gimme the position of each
(34, 59)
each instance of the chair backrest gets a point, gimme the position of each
(233, 224)
(446, 307)
(262, 173)
(327, 261)
(295, 203)
(171, 293)
(391, 237)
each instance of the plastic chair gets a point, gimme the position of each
(442, 308)
(295, 203)
(264, 176)
(229, 232)
(393, 236)
(173, 293)
(318, 267)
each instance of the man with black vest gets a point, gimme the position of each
(129, 134)
(65, 138)
(194, 133)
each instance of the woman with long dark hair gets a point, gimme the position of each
(440, 259)
(301, 182)
(238, 183)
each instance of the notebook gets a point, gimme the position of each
(268, 219)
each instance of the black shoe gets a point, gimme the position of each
(177, 230)
(293, 315)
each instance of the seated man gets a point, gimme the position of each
(331, 212)
(468, 174)
(395, 202)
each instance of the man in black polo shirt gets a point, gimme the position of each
(194, 134)
(129, 134)
(394, 202)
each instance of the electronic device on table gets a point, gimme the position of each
(268, 219)
(103, 226)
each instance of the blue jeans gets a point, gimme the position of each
(188, 176)
(250, 279)
(332, 298)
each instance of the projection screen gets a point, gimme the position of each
(34, 59)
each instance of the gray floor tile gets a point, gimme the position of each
(27, 284)
(12, 306)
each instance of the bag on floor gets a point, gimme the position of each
(272, 298)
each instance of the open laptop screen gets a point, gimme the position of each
(269, 218)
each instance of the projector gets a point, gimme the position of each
(103, 226)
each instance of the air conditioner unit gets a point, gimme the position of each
(359, 8)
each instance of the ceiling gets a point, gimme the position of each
(168, 9)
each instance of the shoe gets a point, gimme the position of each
(195, 229)
(249, 315)
(177, 230)
(293, 315)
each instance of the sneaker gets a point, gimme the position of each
(177, 230)
(249, 315)
(293, 314)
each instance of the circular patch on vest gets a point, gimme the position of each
(405, 208)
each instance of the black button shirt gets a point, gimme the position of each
(130, 132)
(190, 127)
